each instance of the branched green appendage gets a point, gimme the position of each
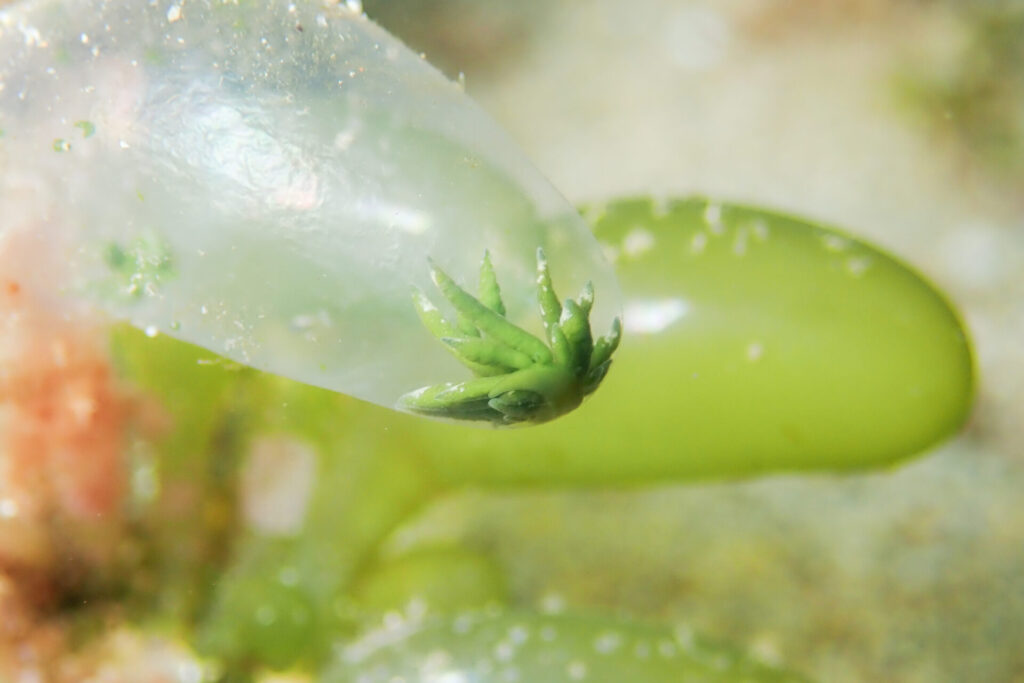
(519, 377)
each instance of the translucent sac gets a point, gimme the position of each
(268, 180)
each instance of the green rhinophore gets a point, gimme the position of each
(519, 378)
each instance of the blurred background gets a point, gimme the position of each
(903, 122)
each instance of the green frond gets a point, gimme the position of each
(586, 298)
(606, 345)
(519, 378)
(490, 293)
(430, 316)
(489, 322)
(489, 353)
(576, 325)
(550, 312)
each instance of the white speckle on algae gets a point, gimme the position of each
(504, 651)
(518, 634)
(698, 243)
(576, 669)
(713, 218)
(637, 241)
(835, 243)
(857, 266)
(607, 642)
(739, 245)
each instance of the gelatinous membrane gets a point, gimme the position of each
(267, 180)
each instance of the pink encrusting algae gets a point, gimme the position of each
(62, 414)
(62, 475)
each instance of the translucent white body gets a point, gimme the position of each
(267, 180)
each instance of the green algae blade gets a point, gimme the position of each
(754, 342)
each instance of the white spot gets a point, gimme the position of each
(765, 649)
(552, 603)
(276, 483)
(31, 35)
(739, 244)
(151, 331)
(504, 651)
(835, 243)
(650, 316)
(698, 243)
(84, 38)
(310, 324)
(713, 218)
(754, 351)
(548, 633)
(355, 6)
(518, 634)
(8, 508)
(145, 483)
(174, 13)
(288, 576)
(858, 266)
(607, 642)
(637, 241)
(760, 230)
(577, 670)
(447, 677)
(403, 218)
(344, 139)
